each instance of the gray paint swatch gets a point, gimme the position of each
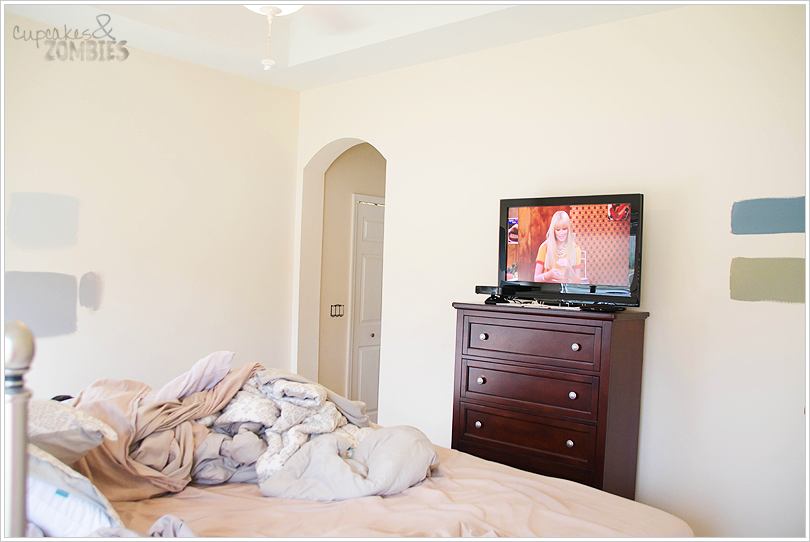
(90, 291)
(45, 302)
(42, 220)
(767, 279)
(768, 215)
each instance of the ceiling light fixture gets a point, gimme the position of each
(272, 11)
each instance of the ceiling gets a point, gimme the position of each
(322, 44)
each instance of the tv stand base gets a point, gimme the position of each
(603, 308)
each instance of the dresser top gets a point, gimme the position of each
(558, 312)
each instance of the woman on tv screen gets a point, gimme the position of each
(559, 258)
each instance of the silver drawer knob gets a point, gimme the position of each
(483, 336)
(572, 395)
(478, 426)
(575, 347)
(481, 380)
(569, 443)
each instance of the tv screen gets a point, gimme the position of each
(577, 250)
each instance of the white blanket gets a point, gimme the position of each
(386, 462)
(278, 417)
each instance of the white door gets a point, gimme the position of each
(364, 366)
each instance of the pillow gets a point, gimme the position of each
(61, 502)
(64, 431)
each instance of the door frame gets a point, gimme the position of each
(356, 200)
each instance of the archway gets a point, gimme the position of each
(307, 258)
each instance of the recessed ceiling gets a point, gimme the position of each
(323, 44)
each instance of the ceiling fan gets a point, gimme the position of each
(331, 18)
(272, 11)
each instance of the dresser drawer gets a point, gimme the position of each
(530, 463)
(551, 392)
(552, 440)
(537, 342)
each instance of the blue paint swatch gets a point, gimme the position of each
(768, 215)
(45, 302)
(42, 220)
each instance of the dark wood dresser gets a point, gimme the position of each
(551, 391)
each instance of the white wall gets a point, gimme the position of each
(359, 170)
(185, 178)
(697, 108)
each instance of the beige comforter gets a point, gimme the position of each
(467, 496)
(154, 452)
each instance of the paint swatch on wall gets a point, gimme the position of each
(45, 302)
(768, 215)
(90, 291)
(767, 279)
(42, 220)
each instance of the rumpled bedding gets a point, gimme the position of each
(267, 421)
(386, 462)
(291, 436)
(167, 526)
(154, 452)
(465, 496)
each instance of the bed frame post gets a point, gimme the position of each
(19, 351)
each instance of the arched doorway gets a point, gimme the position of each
(307, 308)
(351, 275)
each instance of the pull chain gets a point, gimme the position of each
(269, 30)
(267, 62)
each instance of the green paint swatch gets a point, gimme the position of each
(767, 279)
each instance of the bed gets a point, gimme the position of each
(219, 452)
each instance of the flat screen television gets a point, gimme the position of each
(575, 251)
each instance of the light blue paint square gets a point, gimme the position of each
(768, 215)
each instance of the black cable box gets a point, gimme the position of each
(496, 294)
(488, 290)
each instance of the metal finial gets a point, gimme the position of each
(19, 348)
(19, 351)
